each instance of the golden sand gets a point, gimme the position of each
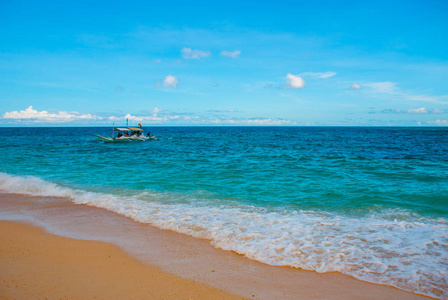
(38, 265)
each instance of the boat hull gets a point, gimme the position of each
(123, 139)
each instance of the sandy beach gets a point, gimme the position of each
(156, 264)
(38, 265)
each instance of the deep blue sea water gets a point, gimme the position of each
(368, 202)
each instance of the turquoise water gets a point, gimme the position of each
(368, 202)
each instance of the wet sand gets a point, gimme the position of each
(108, 256)
(38, 265)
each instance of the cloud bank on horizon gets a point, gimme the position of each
(31, 116)
(168, 66)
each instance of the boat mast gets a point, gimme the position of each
(113, 129)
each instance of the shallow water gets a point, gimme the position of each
(368, 202)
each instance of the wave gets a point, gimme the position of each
(387, 246)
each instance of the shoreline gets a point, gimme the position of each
(37, 265)
(190, 258)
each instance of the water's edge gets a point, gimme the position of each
(185, 256)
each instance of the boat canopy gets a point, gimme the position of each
(135, 129)
(122, 129)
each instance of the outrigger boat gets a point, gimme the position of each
(127, 134)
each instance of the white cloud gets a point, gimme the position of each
(224, 111)
(189, 53)
(252, 122)
(389, 111)
(32, 115)
(420, 110)
(327, 74)
(383, 87)
(264, 122)
(156, 116)
(294, 82)
(439, 122)
(319, 75)
(390, 88)
(232, 54)
(170, 81)
(151, 119)
(424, 98)
(203, 119)
(355, 86)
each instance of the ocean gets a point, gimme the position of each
(369, 202)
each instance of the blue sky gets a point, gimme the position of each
(344, 63)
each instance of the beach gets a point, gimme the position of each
(108, 256)
(38, 265)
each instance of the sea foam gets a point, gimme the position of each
(387, 246)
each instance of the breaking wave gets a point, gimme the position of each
(386, 246)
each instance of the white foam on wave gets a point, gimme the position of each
(392, 246)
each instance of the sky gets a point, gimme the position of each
(221, 63)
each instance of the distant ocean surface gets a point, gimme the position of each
(368, 202)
